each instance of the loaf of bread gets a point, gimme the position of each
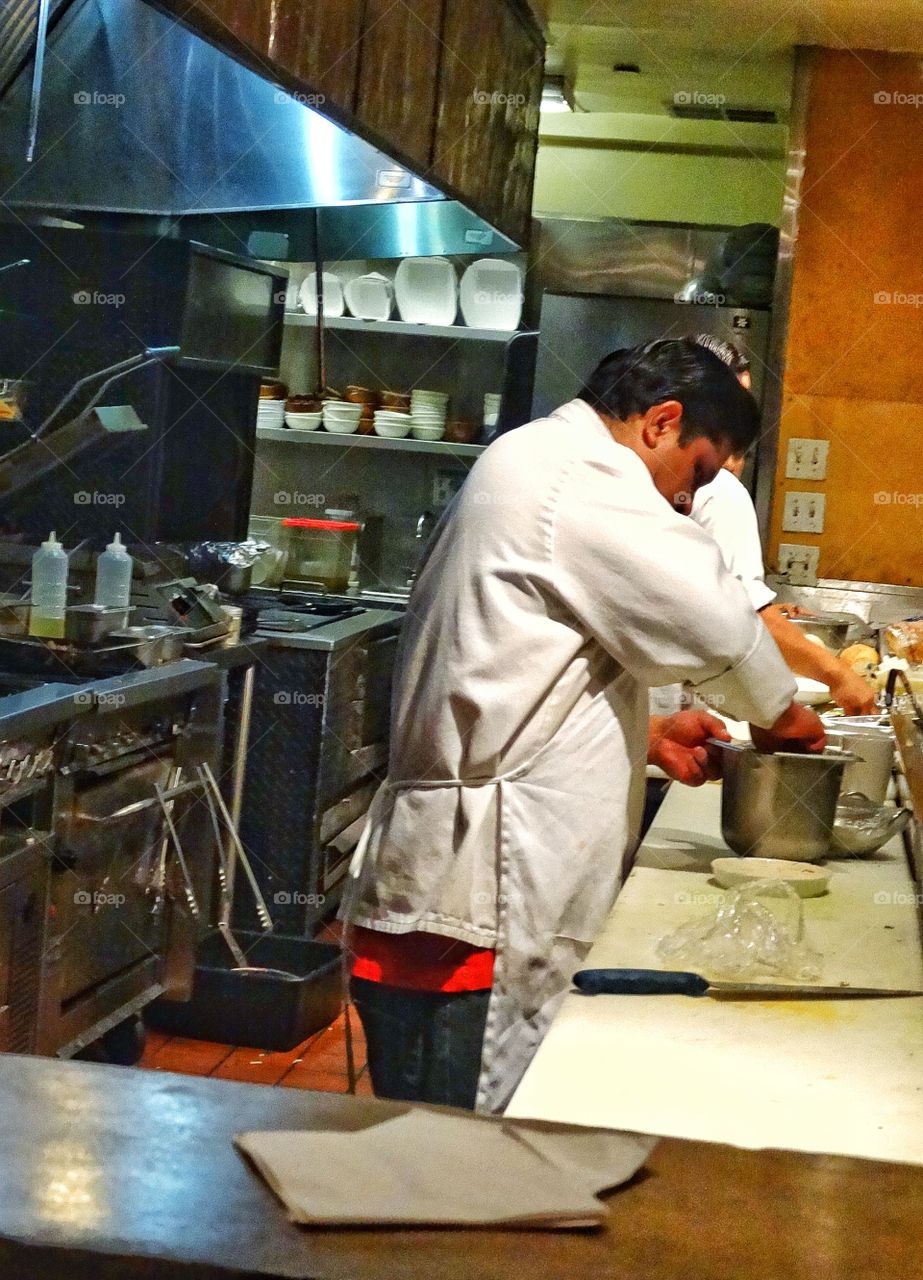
(863, 659)
(905, 640)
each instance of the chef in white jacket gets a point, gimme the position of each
(725, 509)
(560, 585)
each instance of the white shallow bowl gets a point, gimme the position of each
(342, 427)
(427, 433)
(392, 430)
(430, 397)
(304, 421)
(807, 880)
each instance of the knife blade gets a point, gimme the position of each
(666, 982)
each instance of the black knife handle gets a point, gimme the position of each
(639, 982)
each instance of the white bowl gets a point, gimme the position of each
(430, 397)
(304, 421)
(427, 433)
(341, 426)
(807, 880)
(391, 430)
(340, 409)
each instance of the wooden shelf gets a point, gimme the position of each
(285, 435)
(296, 319)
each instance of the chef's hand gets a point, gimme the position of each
(676, 744)
(798, 728)
(851, 692)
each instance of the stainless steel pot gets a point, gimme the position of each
(781, 805)
(873, 747)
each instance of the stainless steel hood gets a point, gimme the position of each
(140, 116)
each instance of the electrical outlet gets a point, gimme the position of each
(445, 486)
(807, 459)
(804, 513)
(799, 564)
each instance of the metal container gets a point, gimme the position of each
(781, 805)
(832, 628)
(88, 624)
(155, 644)
(873, 748)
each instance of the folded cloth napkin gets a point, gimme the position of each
(432, 1167)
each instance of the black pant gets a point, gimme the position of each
(422, 1046)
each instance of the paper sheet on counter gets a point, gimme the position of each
(428, 1167)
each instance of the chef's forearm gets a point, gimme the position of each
(803, 656)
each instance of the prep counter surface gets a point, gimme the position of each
(836, 1076)
(113, 1172)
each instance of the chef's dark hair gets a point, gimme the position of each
(627, 383)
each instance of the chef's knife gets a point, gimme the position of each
(659, 982)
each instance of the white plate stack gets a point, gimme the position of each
(492, 402)
(426, 290)
(341, 418)
(491, 294)
(370, 297)
(334, 301)
(392, 425)
(271, 413)
(428, 410)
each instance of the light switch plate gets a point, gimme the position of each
(799, 564)
(804, 513)
(807, 459)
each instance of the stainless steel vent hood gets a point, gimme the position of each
(140, 116)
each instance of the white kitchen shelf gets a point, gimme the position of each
(299, 318)
(285, 435)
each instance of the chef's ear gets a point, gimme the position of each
(662, 423)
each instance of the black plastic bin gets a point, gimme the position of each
(259, 1010)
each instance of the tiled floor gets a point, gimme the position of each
(319, 1063)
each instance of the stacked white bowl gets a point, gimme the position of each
(341, 418)
(270, 413)
(304, 421)
(428, 410)
(391, 424)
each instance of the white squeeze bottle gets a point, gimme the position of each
(113, 576)
(49, 590)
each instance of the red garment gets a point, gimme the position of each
(420, 961)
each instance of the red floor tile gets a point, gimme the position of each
(188, 1057)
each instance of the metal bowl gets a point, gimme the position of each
(832, 628)
(781, 805)
(861, 826)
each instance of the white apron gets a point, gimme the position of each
(558, 589)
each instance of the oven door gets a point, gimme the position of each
(103, 918)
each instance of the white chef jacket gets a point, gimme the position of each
(556, 589)
(725, 509)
